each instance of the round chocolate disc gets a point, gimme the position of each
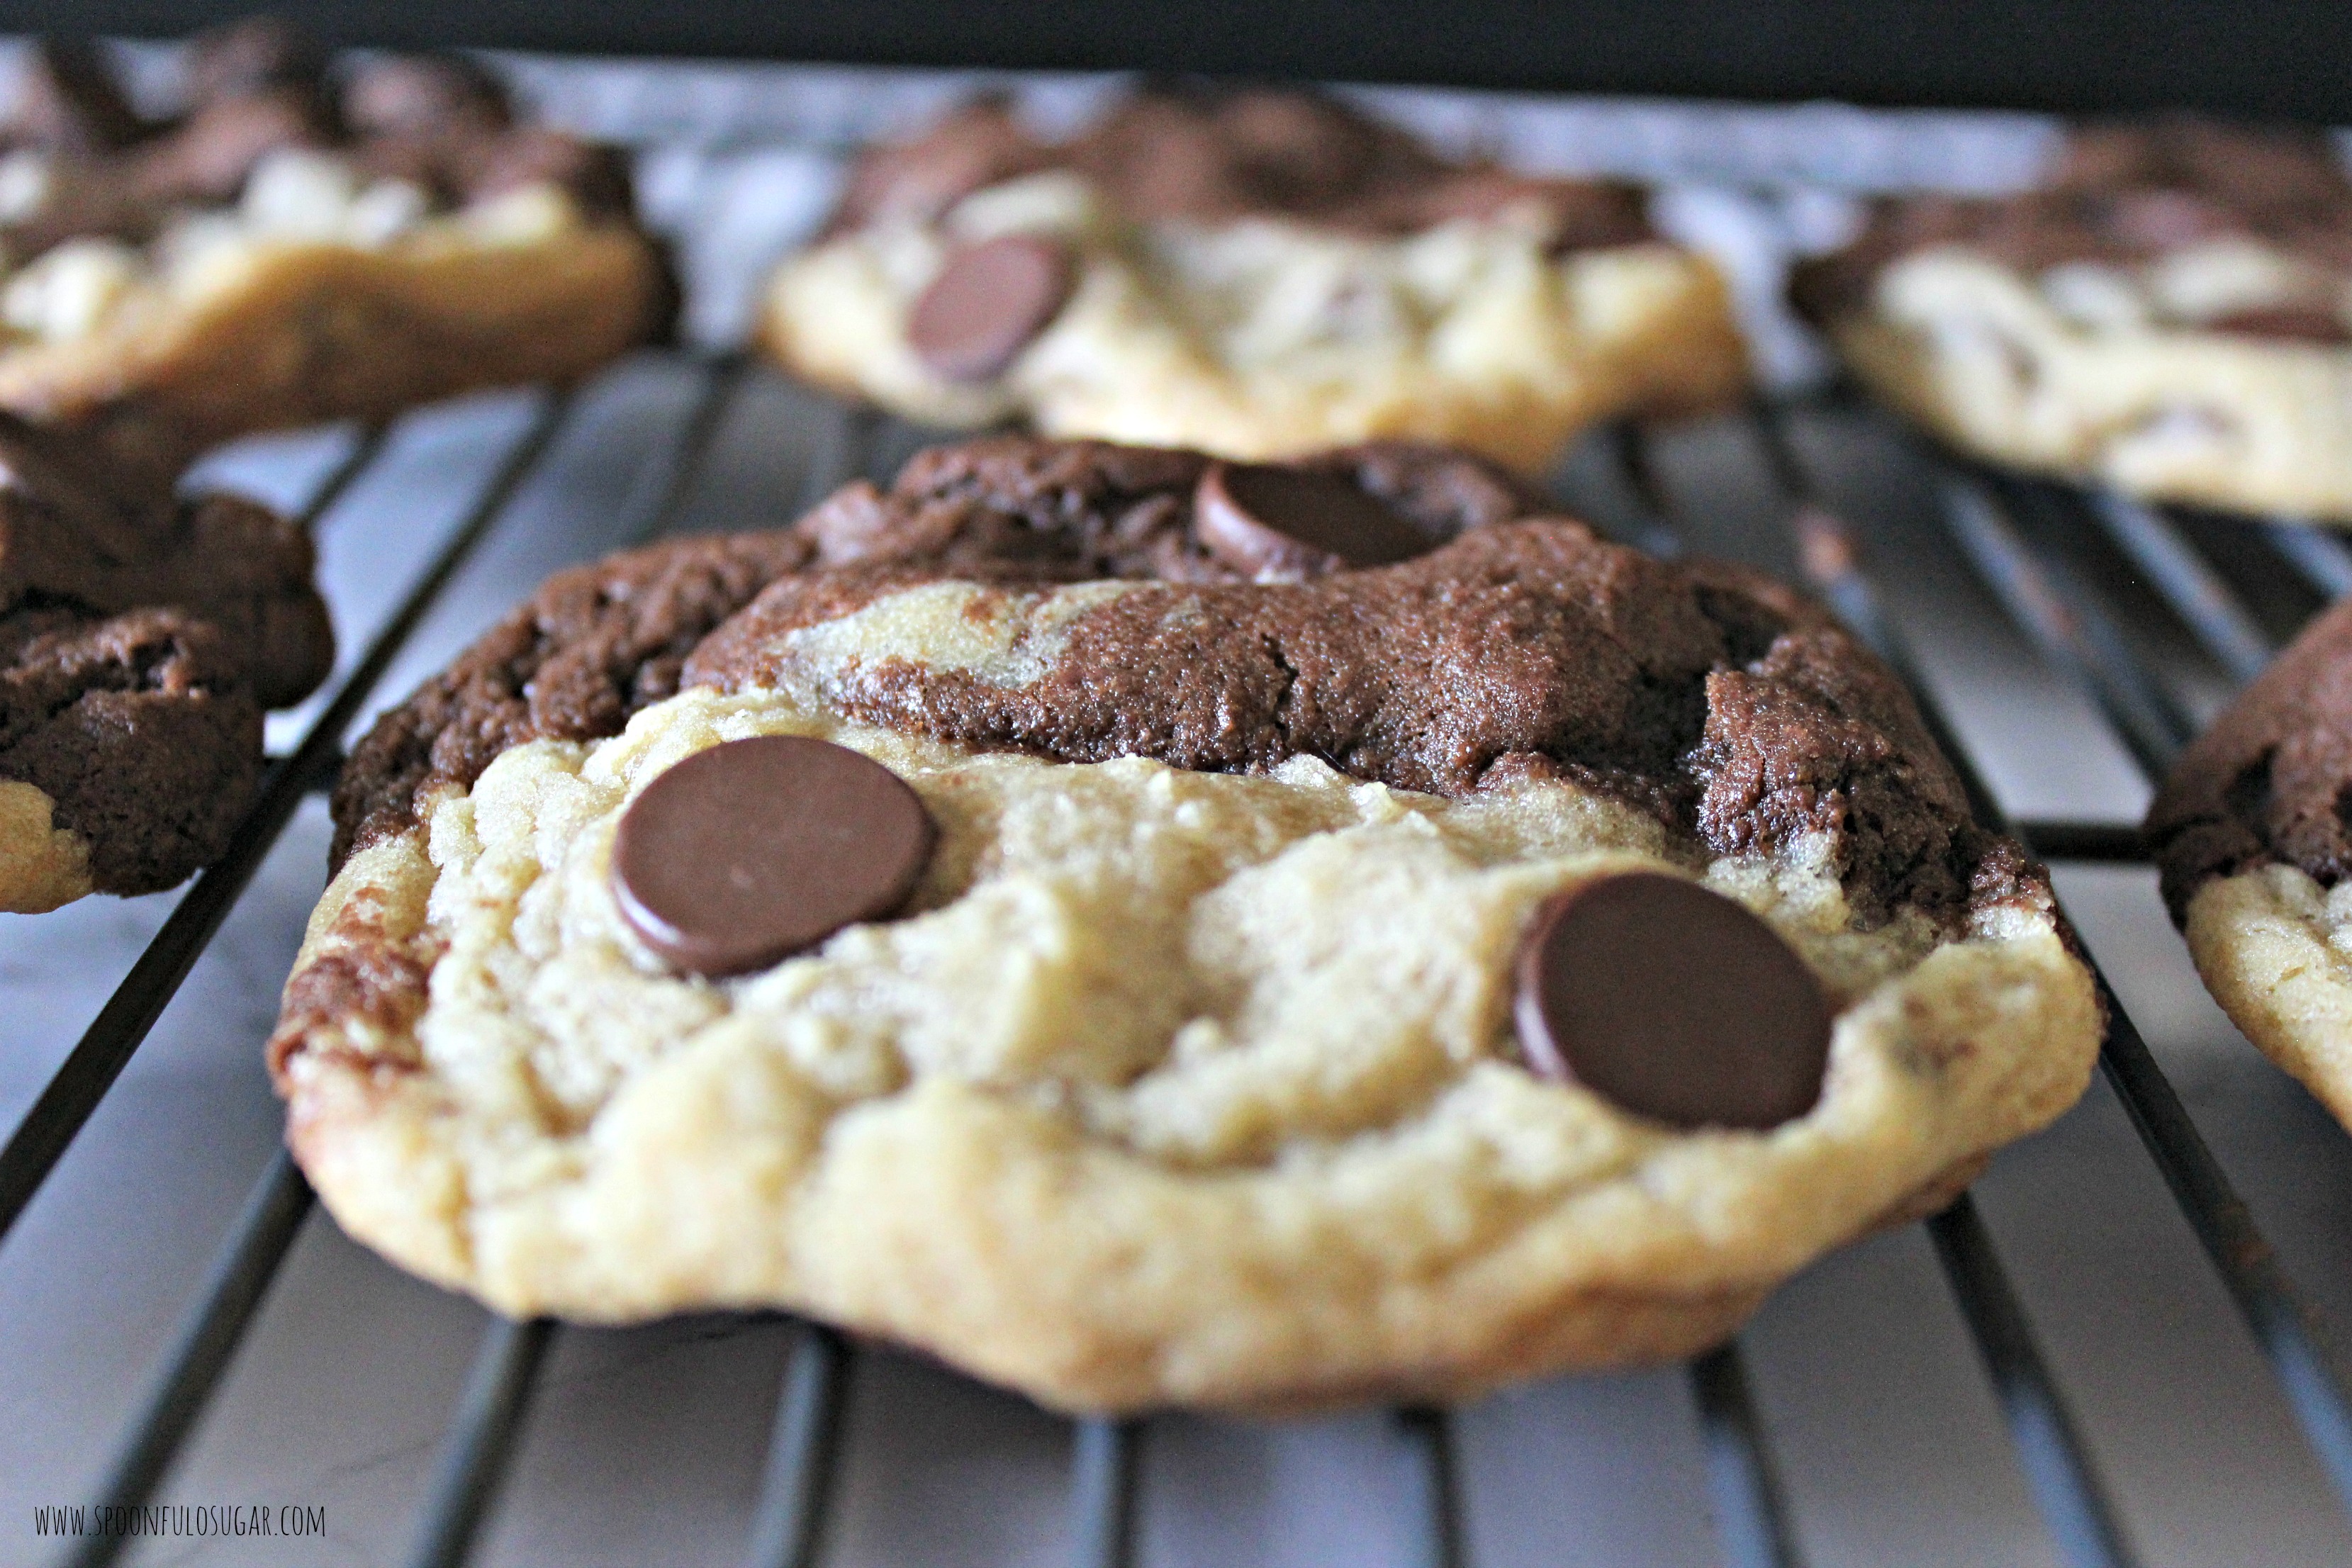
(987, 304)
(1674, 1003)
(1263, 520)
(751, 851)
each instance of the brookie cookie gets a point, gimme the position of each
(1151, 930)
(2171, 314)
(1254, 272)
(141, 635)
(2252, 835)
(297, 247)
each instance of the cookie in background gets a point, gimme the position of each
(141, 635)
(2170, 314)
(1254, 272)
(301, 242)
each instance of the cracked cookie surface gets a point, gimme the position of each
(296, 248)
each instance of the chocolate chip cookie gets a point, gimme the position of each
(298, 245)
(1256, 272)
(2171, 314)
(1136, 926)
(2252, 835)
(141, 635)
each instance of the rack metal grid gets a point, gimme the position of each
(2143, 610)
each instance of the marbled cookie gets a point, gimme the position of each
(1151, 930)
(2171, 315)
(1252, 272)
(293, 250)
(2252, 836)
(141, 638)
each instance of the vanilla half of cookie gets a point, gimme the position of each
(1266, 335)
(1188, 1071)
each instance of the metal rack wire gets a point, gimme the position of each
(2026, 543)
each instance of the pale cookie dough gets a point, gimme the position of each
(1254, 326)
(1187, 1085)
(42, 865)
(2173, 318)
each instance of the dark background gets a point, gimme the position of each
(2291, 60)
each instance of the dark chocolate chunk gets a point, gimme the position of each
(751, 851)
(69, 101)
(989, 302)
(1673, 1002)
(421, 95)
(1285, 521)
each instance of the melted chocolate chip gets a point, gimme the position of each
(989, 302)
(1288, 521)
(751, 851)
(1674, 1003)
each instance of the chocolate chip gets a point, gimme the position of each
(1674, 1003)
(989, 302)
(1276, 521)
(751, 851)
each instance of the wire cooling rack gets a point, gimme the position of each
(160, 1335)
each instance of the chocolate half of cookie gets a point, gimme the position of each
(598, 643)
(142, 635)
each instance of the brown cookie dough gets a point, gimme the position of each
(2170, 313)
(599, 642)
(69, 533)
(142, 733)
(294, 247)
(141, 635)
(1152, 1039)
